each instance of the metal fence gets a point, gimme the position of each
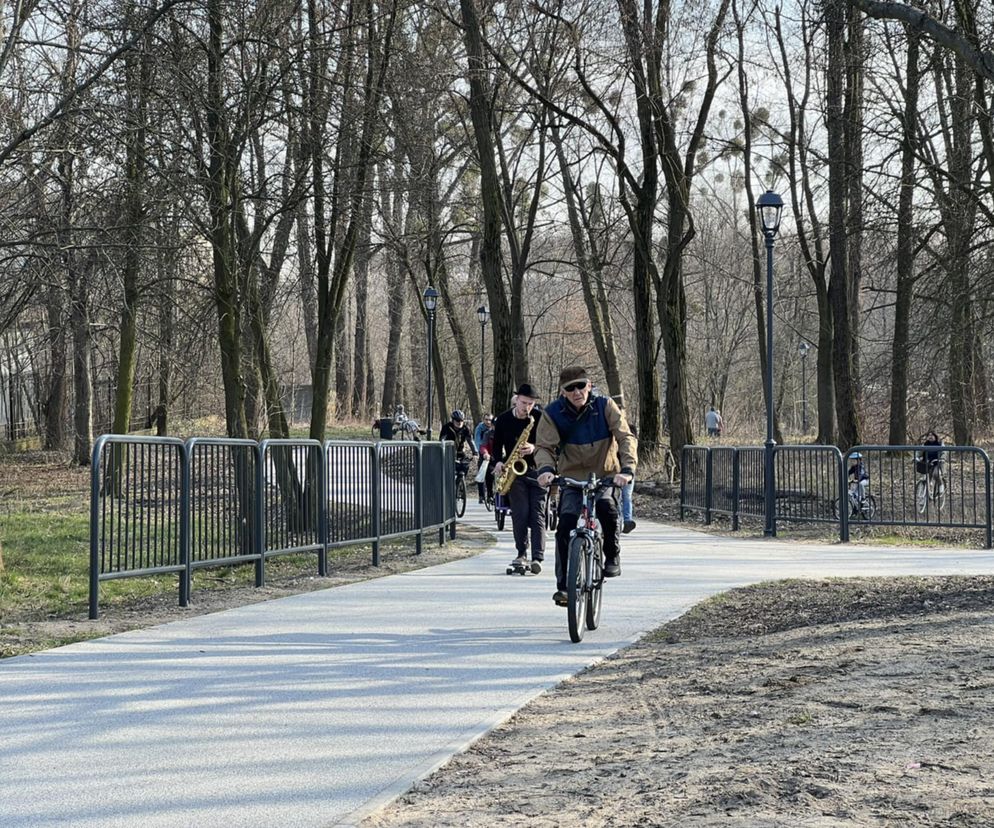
(159, 505)
(815, 485)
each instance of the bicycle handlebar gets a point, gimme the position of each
(596, 483)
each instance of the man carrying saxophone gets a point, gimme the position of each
(514, 449)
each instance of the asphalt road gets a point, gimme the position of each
(316, 709)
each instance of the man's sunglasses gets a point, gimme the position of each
(575, 386)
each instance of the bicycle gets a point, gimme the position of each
(462, 466)
(931, 487)
(585, 567)
(861, 506)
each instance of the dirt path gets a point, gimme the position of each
(856, 702)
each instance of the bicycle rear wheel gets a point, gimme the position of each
(576, 588)
(460, 496)
(596, 582)
(938, 491)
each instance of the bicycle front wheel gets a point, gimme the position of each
(460, 496)
(868, 508)
(576, 588)
(596, 582)
(921, 496)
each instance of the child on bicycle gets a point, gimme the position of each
(860, 476)
(580, 434)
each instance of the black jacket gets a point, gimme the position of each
(507, 429)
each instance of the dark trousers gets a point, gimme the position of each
(527, 502)
(606, 509)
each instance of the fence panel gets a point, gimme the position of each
(291, 480)
(752, 480)
(222, 501)
(901, 493)
(807, 483)
(725, 483)
(399, 490)
(694, 462)
(138, 517)
(159, 505)
(351, 473)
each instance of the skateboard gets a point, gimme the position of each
(526, 569)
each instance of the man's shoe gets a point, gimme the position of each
(480, 501)
(520, 562)
(536, 567)
(612, 568)
(628, 526)
(560, 598)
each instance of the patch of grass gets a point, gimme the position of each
(801, 718)
(891, 539)
(45, 563)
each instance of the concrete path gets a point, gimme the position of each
(316, 709)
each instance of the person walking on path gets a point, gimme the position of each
(484, 438)
(526, 499)
(712, 422)
(580, 435)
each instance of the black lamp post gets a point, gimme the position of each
(803, 349)
(483, 315)
(430, 297)
(770, 206)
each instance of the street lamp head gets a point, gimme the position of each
(482, 314)
(770, 206)
(431, 298)
(803, 348)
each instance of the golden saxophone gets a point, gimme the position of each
(515, 465)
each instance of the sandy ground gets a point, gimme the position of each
(851, 702)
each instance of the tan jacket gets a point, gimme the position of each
(597, 439)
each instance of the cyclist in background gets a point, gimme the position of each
(931, 457)
(458, 432)
(860, 476)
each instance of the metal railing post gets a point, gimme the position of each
(683, 479)
(324, 497)
(258, 517)
(843, 501)
(735, 489)
(419, 501)
(376, 500)
(988, 542)
(708, 486)
(95, 469)
(185, 542)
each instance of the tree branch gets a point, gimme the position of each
(981, 61)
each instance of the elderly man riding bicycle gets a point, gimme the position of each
(580, 434)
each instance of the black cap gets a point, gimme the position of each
(526, 390)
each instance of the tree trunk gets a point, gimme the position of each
(898, 432)
(839, 284)
(362, 390)
(56, 400)
(490, 251)
(225, 259)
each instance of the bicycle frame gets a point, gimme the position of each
(584, 566)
